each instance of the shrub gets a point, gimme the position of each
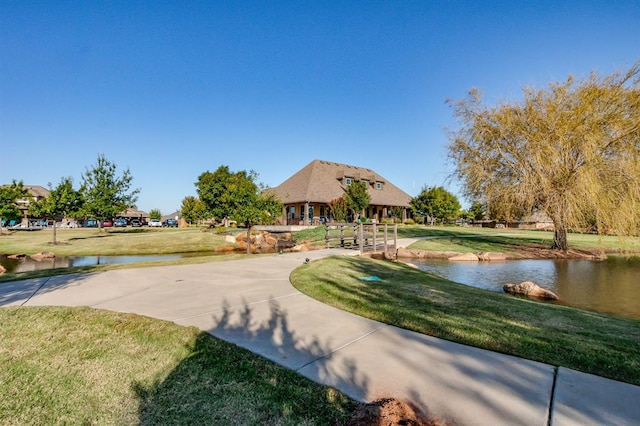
(409, 221)
(311, 234)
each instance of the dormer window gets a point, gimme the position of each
(347, 181)
(378, 185)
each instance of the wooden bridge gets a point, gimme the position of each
(370, 237)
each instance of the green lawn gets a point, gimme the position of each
(586, 341)
(473, 240)
(114, 241)
(91, 242)
(85, 366)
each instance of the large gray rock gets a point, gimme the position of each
(530, 289)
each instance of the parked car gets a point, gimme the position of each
(170, 223)
(135, 223)
(107, 224)
(120, 223)
(91, 223)
(155, 223)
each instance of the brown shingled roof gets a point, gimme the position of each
(322, 181)
(37, 191)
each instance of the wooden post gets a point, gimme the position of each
(361, 237)
(386, 249)
(326, 234)
(395, 237)
(374, 238)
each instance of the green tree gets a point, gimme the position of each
(9, 194)
(105, 193)
(238, 196)
(193, 209)
(339, 209)
(396, 213)
(571, 150)
(155, 214)
(63, 201)
(357, 196)
(477, 211)
(436, 203)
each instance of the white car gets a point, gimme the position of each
(155, 222)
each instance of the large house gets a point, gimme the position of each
(36, 193)
(307, 193)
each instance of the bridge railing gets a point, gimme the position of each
(362, 236)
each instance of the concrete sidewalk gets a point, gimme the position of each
(251, 302)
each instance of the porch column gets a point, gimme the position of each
(306, 213)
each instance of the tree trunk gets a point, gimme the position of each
(54, 232)
(560, 239)
(249, 238)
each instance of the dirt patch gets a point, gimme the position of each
(543, 253)
(391, 412)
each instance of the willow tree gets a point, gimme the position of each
(571, 150)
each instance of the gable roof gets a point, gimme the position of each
(322, 181)
(37, 191)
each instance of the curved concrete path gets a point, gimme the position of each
(251, 303)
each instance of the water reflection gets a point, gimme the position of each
(27, 264)
(611, 286)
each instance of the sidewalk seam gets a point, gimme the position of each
(36, 291)
(327, 355)
(553, 396)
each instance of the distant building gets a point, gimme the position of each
(308, 192)
(538, 220)
(36, 193)
(131, 213)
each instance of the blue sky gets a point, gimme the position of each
(173, 89)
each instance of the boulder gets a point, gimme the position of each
(405, 252)
(17, 256)
(43, 255)
(271, 240)
(2, 269)
(225, 249)
(530, 289)
(299, 248)
(487, 256)
(464, 257)
(424, 254)
(229, 239)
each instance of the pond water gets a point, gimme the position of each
(611, 286)
(28, 264)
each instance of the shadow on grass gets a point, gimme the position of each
(221, 383)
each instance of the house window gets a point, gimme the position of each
(347, 181)
(378, 185)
